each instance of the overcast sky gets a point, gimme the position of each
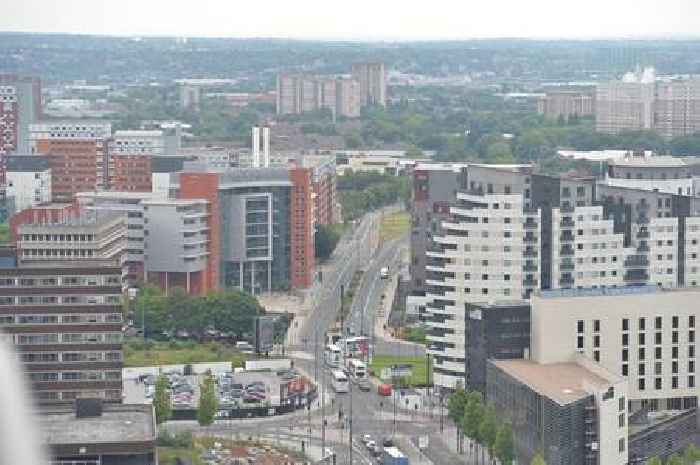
(357, 19)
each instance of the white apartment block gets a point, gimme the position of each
(28, 180)
(645, 334)
(692, 251)
(585, 250)
(489, 252)
(138, 142)
(663, 250)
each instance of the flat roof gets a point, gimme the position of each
(655, 161)
(117, 424)
(561, 382)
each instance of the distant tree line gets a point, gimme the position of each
(363, 192)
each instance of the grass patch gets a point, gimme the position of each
(417, 377)
(394, 226)
(138, 354)
(415, 334)
(4, 233)
(169, 455)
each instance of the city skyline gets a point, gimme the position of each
(546, 19)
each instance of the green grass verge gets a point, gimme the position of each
(394, 226)
(136, 354)
(169, 455)
(417, 377)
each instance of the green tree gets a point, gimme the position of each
(655, 461)
(208, 402)
(455, 411)
(161, 400)
(675, 459)
(691, 455)
(325, 240)
(488, 430)
(499, 153)
(504, 448)
(473, 414)
(538, 460)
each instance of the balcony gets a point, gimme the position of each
(643, 235)
(636, 276)
(566, 251)
(530, 253)
(637, 262)
(567, 266)
(566, 236)
(530, 224)
(643, 247)
(566, 208)
(529, 267)
(567, 223)
(529, 238)
(566, 280)
(529, 282)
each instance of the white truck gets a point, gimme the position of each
(384, 272)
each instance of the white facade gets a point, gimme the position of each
(490, 252)
(586, 252)
(29, 188)
(692, 251)
(642, 333)
(663, 252)
(260, 159)
(670, 186)
(138, 142)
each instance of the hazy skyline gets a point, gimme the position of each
(357, 19)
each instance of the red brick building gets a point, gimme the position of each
(130, 173)
(302, 228)
(20, 105)
(77, 153)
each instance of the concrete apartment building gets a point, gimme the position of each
(28, 181)
(567, 233)
(677, 107)
(640, 101)
(299, 93)
(489, 252)
(572, 412)
(130, 158)
(649, 339)
(567, 103)
(626, 105)
(64, 317)
(21, 106)
(372, 79)
(77, 153)
(176, 245)
(645, 171)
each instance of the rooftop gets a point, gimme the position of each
(118, 424)
(27, 163)
(595, 292)
(564, 383)
(138, 133)
(650, 161)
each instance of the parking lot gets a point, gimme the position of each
(236, 390)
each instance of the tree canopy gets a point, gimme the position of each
(232, 311)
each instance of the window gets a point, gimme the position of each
(579, 326)
(674, 337)
(625, 355)
(596, 355)
(674, 352)
(621, 420)
(691, 321)
(674, 382)
(640, 384)
(657, 383)
(506, 277)
(641, 339)
(641, 369)
(625, 370)
(579, 342)
(596, 341)
(596, 325)
(621, 445)
(621, 404)
(691, 351)
(657, 322)
(642, 322)
(657, 338)
(691, 381)
(691, 336)
(674, 367)
(625, 324)
(625, 339)
(691, 366)
(640, 353)
(657, 368)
